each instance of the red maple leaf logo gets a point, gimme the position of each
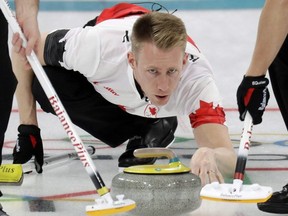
(153, 110)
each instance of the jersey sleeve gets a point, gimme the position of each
(207, 113)
(82, 50)
(98, 51)
(198, 96)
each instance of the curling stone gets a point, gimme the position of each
(159, 189)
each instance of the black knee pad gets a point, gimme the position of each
(160, 133)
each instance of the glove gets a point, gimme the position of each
(29, 143)
(253, 96)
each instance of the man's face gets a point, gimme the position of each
(157, 71)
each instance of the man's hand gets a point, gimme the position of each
(29, 144)
(203, 164)
(31, 32)
(253, 96)
(26, 15)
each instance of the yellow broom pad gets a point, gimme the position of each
(11, 174)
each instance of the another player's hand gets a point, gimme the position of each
(18, 54)
(29, 26)
(203, 164)
(253, 96)
(29, 144)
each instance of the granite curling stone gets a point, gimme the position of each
(159, 189)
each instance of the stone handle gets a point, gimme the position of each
(154, 152)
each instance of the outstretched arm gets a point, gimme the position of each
(215, 158)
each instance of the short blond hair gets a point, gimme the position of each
(162, 29)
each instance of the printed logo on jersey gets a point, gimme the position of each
(126, 37)
(151, 111)
(192, 58)
(111, 91)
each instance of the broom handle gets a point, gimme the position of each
(56, 160)
(243, 151)
(56, 104)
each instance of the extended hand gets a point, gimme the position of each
(203, 164)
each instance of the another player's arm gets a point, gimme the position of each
(273, 18)
(24, 75)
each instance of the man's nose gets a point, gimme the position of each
(163, 83)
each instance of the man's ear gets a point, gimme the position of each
(185, 59)
(131, 59)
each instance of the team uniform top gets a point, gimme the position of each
(100, 54)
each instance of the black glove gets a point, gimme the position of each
(253, 96)
(29, 143)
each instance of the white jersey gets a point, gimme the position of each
(100, 54)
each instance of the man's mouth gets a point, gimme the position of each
(161, 96)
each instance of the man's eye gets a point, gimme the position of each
(152, 71)
(172, 71)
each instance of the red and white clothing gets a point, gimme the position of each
(100, 54)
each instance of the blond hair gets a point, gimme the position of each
(164, 30)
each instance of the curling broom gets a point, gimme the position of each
(56, 160)
(237, 192)
(105, 204)
(12, 174)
